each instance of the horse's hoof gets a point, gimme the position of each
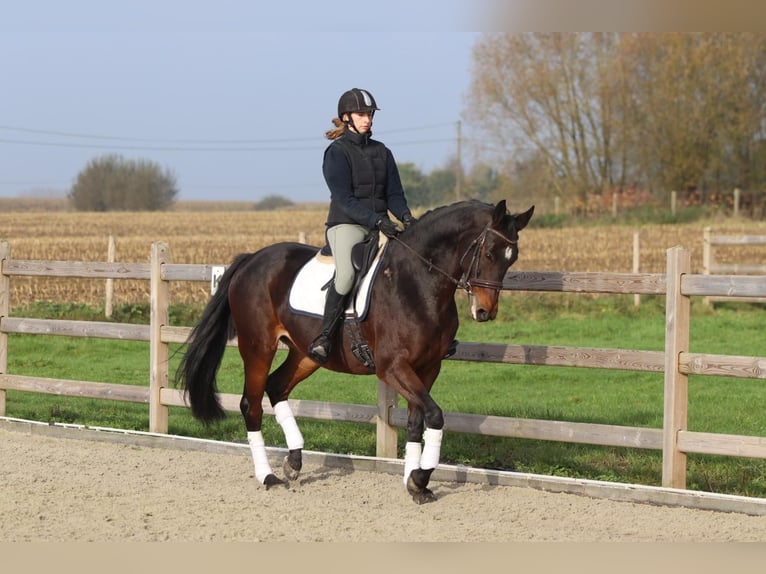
(272, 480)
(290, 472)
(424, 496)
(419, 495)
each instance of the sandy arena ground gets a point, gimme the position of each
(54, 489)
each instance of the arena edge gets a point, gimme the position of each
(678, 285)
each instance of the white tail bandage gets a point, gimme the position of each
(412, 451)
(284, 415)
(260, 460)
(431, 449)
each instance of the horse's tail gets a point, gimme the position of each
(206, 344)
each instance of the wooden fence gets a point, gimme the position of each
(674, 439)
(711, 267)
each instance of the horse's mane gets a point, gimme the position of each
(454, 207)
(453, 216)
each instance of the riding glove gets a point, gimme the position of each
(386, 227)
(408, 220)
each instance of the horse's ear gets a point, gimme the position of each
(523, 218)
(500, 212)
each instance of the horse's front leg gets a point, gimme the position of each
(413, 449)
(424, 423)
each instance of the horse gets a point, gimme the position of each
(410, 328)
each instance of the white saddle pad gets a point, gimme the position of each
(307, 296)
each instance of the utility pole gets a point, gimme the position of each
(459, 167)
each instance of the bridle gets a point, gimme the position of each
(474, 250)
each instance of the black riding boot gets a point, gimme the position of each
(334, 306)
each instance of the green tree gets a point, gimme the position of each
(530, 181)
(485, 183)
(113, 183)
(441, 185)
(415, 185)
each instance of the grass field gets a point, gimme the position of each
(586, 395)
(717, 404)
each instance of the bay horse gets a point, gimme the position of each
(410, 326)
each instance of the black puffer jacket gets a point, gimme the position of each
(363, 179)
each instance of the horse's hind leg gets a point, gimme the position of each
(293, 462)
(257, 366)
(294, 369)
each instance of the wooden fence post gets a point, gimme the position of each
(707, 256)
(386, 444)
(636, 262)
(111, 252)
(677, 319)
(5, 305)
(158, 351)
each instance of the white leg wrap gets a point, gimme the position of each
(432, 448)
(284, 415)
(412, 452)
(260, 460)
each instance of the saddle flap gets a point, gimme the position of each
(364, 253)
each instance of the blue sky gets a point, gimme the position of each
(232, 96)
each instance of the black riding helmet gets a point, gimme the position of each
(356, 100)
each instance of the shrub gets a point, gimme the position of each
(112, 183)
(273, 203)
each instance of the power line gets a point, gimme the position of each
(193, 141)
(104, 142)
(153, 148)
(197, 149)
(152, 140)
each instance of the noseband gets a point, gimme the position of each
(474, 250)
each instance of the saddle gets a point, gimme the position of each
(306, 297)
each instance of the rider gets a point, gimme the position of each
(364, 185)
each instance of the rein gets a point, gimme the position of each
(474, 249)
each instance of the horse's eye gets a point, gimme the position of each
(489, 255)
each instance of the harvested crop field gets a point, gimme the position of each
(215, 237)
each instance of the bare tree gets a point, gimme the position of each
(551, 96)
(598, 111)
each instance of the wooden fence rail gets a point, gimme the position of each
(711, 267)
(677, 363)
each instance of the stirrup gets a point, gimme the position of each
(319, 349)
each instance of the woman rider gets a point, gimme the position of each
(364, 186)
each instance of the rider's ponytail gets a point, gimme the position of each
(337, 131)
